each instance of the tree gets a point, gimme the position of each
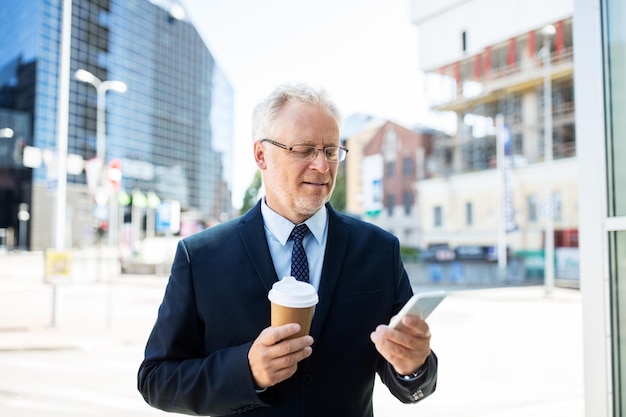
(251, 196)
(338, 199)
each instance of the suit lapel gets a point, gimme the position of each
(252, 234)
(336, 247)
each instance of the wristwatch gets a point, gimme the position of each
(420, 371)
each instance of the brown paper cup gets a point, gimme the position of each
(284, 315)
(293, 302)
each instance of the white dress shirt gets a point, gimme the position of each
(277, 231)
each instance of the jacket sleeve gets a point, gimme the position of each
(418, 389)
(410, 391)
(176, 375)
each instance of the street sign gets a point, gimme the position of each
(32, 157)
(93, 169)
(58, 264)
(168, 217)
(114, 174)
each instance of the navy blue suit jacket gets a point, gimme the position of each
(216, 304)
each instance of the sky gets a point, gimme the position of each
(363, 52)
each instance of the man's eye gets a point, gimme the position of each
(303, 151)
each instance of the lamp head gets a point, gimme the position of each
(177, 12)
(6, 133)
(86, 76)
(119, 86)
(548, 30)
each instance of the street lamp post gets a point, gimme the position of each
(101, 89)
(23, 216)
(548, 32)
(5, 133)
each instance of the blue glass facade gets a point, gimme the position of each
(172, 128)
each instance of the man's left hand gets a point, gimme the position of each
(406, 347)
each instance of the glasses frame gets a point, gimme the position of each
(317, 150)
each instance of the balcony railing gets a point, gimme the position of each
(507, 78)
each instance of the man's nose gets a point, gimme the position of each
(319, 162)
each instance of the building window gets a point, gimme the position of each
(518, 147)
(390, 203)
(557, 207)
(469, 214)
(437, 216)
(390, 169)
(408, 167)
(532, 209)
(408, 202)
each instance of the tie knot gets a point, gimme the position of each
(299, 232)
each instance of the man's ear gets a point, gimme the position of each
(259, 155)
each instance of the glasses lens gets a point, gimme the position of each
(306, 152)
(334, 154)
(309, 153)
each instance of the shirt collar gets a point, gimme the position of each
(281, 228)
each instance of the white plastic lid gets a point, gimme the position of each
(289, 292)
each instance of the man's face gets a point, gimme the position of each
(295, 188)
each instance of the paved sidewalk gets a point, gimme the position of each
(508, 352)
(504, 352)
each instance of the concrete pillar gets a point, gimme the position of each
(530, 122)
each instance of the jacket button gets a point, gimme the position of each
(308, 379)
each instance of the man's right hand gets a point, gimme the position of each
(273, 359)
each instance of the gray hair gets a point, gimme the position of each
(267, 109)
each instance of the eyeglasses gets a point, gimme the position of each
(309, 152)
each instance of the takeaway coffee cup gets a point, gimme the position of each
(293, 302)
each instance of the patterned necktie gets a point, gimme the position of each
(299, 262)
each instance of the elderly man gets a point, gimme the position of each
(212, 351)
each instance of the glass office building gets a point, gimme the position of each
(172, 129)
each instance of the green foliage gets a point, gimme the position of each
(409, 253)
(338, 199)
(251, 196)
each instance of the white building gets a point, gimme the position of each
(483, 58)
(467, 27)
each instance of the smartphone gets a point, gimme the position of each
(420, 305)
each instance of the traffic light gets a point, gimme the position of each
(103, 227)
(114, 173)
(18, 151)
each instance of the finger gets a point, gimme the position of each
(280, 355)
(272, 335)
(299, 343)
(399, 343)
(406, 336)
(404, 359)
(273, 364)
(284, 367)
(414, 327)
(416, 324)
(290, 354)
(419, 329)
(390, 339)
(392, 352)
